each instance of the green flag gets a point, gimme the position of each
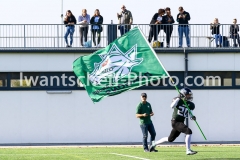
(127, 63)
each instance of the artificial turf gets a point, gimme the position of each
(119, 153)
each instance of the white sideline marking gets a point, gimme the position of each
(130, 156)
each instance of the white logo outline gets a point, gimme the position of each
(115, 63)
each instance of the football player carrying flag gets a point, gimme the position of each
(180, 112)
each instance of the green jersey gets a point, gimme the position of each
(180, 111)
(144, 108)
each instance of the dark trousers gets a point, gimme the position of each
(154, 31)
(168, 31)
(235, 38)
(145, 129)
(83, 31)
(123, 30)
(177, 129)
(94, 32)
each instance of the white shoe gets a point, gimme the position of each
(191, 152)
(99, 45)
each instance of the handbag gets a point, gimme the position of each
(157, 44)
(87, 44)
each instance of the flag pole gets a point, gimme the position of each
(171, 81)
(188, 109)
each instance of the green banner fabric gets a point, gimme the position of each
(127, 63)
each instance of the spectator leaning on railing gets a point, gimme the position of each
(83, 20)
(155, 25)
(215, 27)
(234, 29)
(70, 21)
(96, 28)
(125, 20)
(182, 18)
(168, 27)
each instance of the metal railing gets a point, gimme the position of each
(52, 35)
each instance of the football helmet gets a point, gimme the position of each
(186, 91)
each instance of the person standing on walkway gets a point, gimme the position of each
(70, 22)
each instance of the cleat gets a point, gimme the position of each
(191, 152)
(152, 149)
(146, 150)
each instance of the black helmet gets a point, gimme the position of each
(186, 91)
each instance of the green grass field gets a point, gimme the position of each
(119, 153)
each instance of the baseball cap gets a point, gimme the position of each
(144, 94)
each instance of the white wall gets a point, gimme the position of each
(38, 117)
(214, 62)
(36, 62)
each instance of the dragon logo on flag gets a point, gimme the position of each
(115, 63)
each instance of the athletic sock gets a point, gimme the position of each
(153, 143)
(188, 141)
(164, 139)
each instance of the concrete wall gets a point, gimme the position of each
(63, 61)
(38, 117)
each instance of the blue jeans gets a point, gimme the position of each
(145, 129)
(70, 30)
(123, 30)
(218, 37)
(185, 30)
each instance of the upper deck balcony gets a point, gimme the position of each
(25, 37)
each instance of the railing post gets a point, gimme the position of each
(58, 35)
(222, 36)
(24, 36)
(61, 35)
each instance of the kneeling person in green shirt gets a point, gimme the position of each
(144, 113)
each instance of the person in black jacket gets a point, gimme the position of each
(182, 18)
(96, 22)
(155, 25)
(168, 27)
(234, 29)
(69, 20)
(215, 27)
